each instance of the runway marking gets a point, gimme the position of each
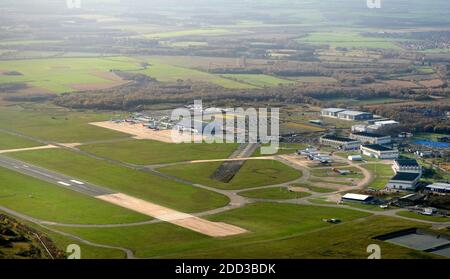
(213, 229)
(77, 182)
(41, 173)
(64, 183)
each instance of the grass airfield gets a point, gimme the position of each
(286, 230)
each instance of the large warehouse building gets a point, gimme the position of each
(404, 181)
(355, 115)
(340, 142)
(369, 138)
(379, 152)
(344, 114)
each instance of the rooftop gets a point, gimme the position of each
(333, 110)
(405, 176)
(386, 122)
(442, 186)
(407, 162)
(377, 147)
(371, 135)
(337, 138)
(352, 112)
(357, 197)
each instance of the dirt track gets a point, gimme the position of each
(187, 221)
(28, 149)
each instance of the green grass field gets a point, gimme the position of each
(49, 202)
(382, 174)
(87, 251)
(59, 75)
(259, 80)
(56, 124)
(171, 73)
(136, 183)
(8, 141)
(265, 222)
(348, 40)
(253, 173)
(186, 44)
(148, 152)
(422, 217)
(346, 241)
(277, 193)
(314, 188)
(330, 173)
(190, 32)
(285, 148)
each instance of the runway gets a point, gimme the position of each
(53, 177)
(203, 226)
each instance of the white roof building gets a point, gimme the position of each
(443, 188)
(356, 198)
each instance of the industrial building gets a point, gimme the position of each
(379, 152)
(351, 115)
(439, 188)
(407, 165)
(344, 114)
(340, 142)
(357, 198)
(331, 112)
(404, 181)
(370, 138)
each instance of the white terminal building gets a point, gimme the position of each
(379, 152)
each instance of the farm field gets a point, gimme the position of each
(259, 80)
(253, 173)
(348, 40)
(189, 32)
(265, 222)
(67, 74)
(52, 203)
(171, 73)
(356, 102)
(276, 193)
(135, 183)
(381, 172)
(57, 124)
(184, 44)
(314, 79)
(8, 141)
(148, 152)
